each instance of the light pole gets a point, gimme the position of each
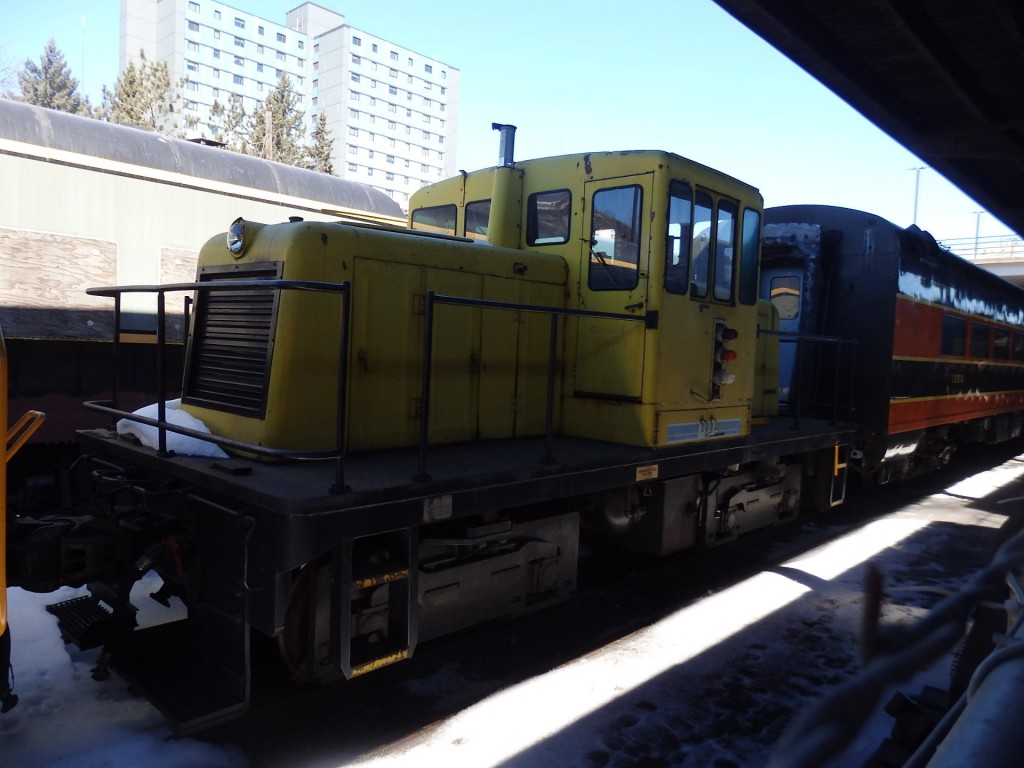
(917, 187)
(977, 230)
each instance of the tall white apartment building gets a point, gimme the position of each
(391, 112)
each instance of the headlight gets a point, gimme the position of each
(236, 236)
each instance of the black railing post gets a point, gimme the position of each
(161, 376)
(422, 475)
(116, 352)
(339, 463)
(550, 404)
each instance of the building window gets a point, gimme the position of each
(238, 79)
(216, 92)
(352, 167)
(259, 67)
(190, 86)
(259, 85)
(393, 72)
(355, 77)
(374, 47)
(216, 73)
(194, 7)
(280, 37)
(353, 96)
(353, 131)
(427, 68)
(394, 56)
(239, 61)
(391, 159)
(392, 90)
(302, 45)
(240, 42)
(216, 34)
(259, 49)
(240, 23)
(194, 47)
(191, 66)
(356, 59)
(354, 114)
(280, 56)
(357, 40)
(216, 15)
(261, 30)
(301, 62)
(410, 61)
(353, 150)
(193, 26)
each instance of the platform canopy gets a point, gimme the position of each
(945, 78)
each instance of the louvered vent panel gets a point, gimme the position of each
(232, 344)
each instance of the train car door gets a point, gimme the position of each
(782, 284)
(613, 278)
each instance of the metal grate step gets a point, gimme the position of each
(83, 621)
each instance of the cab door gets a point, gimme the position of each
(614, 278)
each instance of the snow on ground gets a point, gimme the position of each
(713, 684)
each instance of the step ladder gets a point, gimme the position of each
(361, 566)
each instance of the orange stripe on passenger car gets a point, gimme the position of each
(921, 413)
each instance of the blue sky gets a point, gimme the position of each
(593, 75)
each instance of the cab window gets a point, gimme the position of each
(438, 218)
(725, 250)
(615, 239)
(677, 246)
(750, 250)
(547, 217)
(477, 215)
(702, 245)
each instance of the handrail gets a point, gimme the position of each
(792, 337)
(163, 426)
(433, 298)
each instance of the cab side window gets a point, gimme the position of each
(438, 218)
(547, 217)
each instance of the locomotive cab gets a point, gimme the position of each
(663, 252)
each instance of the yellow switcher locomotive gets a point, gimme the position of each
(417, 424)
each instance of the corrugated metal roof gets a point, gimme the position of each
(81, 135)
(945, 78)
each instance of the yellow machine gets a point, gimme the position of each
(654, 257)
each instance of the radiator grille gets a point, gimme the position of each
(231, 344)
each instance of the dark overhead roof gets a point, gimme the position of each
(945, 78)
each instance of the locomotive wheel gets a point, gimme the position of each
(294, 641)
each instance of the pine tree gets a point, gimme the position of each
(285, 123)
(50, 84)
(323, 147)
(143, 96)
(8, 77)
(229, 123)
